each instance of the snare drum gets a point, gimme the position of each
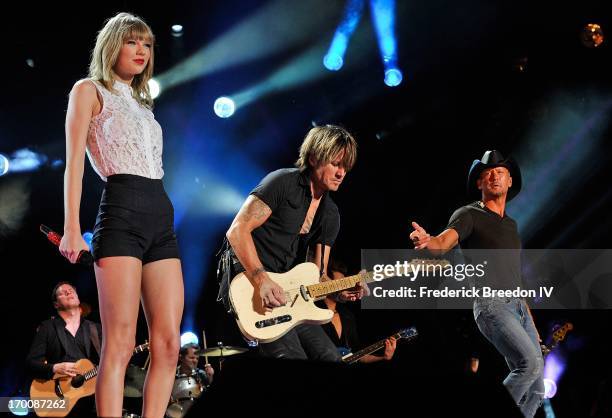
(187, 387)
(178, 409)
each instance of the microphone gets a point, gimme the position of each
(84, 257)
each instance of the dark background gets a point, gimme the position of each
(462, 94)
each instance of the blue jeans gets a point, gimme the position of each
(506, 323)
(304, 342)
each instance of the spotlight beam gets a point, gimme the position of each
(574, 136)
(274, 28)
(383, 18)
(334, 58)
(304, 69)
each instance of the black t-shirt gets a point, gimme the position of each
(479, 228)
(278, 242)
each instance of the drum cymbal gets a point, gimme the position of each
(134, 381)
(222, 351)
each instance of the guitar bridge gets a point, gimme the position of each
(272, 321)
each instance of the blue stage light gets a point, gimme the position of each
(334, 59)
(87, 236)
(224, 107)
(393, 77)
(333, 62)
(57, 163)
(4, 165)
(189, 338)
(18, 406)
(26, 160)
(383, 17)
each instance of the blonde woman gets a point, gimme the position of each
(134, 246)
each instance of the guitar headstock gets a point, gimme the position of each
(559, 333)
(407, 333)
(142, 347)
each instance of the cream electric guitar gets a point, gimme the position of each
(67, 388)
(302, 288)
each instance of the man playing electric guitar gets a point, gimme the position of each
(289, 212)
(64, 339)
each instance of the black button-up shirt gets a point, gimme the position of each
(75, 345)
(279, 244)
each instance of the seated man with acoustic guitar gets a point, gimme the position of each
(62, 341)
(287, 216)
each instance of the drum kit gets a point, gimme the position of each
(187, 387)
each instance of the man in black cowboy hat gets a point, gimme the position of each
(484, 225)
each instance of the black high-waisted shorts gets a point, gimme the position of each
(136, 219)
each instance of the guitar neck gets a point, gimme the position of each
(332, 286)
(94, 372)
(355, 357)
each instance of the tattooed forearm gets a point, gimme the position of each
(254, 208)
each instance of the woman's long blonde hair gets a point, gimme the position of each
(109, 41)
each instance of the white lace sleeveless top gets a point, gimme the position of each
(124, 138)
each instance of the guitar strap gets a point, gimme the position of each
(322, 258)
(227, 267)
(323, 239)
(95, 337)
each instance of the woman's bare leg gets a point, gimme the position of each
(162, 300)
(119, 287)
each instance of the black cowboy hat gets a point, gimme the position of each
(490, 159)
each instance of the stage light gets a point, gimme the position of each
(154, 88)
(224, 107)
(87, 236)
(548, 409)
(383, 17)
(293, 21)
(575, 128)
(177, 31)
(332, 61)
(57, 163)
(26, 160)
(393, 77)
(189, 338)
(550, 388)
(592, 35)
(4, 165)
(30, 62)
(554, 366)
(18, 406)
